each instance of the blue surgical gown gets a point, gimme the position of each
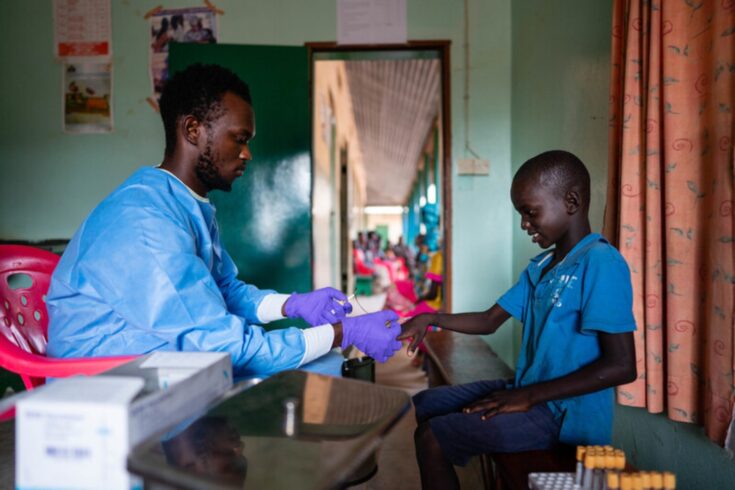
(146, 272)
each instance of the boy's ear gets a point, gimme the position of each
(572, 201)
(192, 129)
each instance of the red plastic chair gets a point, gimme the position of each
(25, 273)
(358, 259)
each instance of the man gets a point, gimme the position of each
(146, 270)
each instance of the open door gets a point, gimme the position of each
(265, 221)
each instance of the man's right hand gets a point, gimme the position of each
(415, 328)
(374, 334)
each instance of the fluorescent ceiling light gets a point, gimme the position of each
(383, 209)
(431, 194)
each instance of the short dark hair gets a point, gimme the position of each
(197, 91)
(559, 170)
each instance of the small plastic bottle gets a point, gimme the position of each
(590, 463)
(646, 480)
(580, 465)
(637, 481)
(619, 460)
(657, 480)
(609, 460)
(626, 482)
(613, 481)
(669, 481)
(608, 465)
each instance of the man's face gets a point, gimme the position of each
(225, 150)
(544, 214)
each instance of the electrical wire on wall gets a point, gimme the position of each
(467, 147)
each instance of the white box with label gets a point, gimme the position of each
(75, 433)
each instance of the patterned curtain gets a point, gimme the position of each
(669, 204)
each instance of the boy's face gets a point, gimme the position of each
(545, 214)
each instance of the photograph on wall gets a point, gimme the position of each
(87, 98)
(186, 25)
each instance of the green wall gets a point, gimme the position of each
(561, 56)
(654, 442)
(561, 71)
(482, 212)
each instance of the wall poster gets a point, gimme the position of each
(87, 89)
(185, 25)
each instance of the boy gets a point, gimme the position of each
(575, 303)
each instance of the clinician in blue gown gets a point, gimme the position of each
(146, 270)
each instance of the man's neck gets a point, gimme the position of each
(184, 171)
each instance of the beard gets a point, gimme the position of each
(208, 173)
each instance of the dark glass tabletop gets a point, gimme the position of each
(295, 430)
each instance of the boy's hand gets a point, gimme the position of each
(416, 328)
(502, 401)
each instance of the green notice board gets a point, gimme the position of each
(265, 221)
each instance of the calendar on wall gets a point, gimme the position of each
(82, 29)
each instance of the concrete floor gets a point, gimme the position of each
(397, 466)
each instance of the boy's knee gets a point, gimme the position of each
(418, 398)
(418, 403)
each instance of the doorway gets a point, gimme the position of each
(380, 153)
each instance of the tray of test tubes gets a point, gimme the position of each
(552, 481)
(602, 468)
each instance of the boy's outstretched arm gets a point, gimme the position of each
(615, 366)
(477, 323)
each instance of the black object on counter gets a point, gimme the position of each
(359, 368)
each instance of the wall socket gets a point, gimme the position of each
(473, 166)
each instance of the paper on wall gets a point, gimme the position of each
(82, 28)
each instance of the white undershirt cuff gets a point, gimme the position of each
(270, 308)
(318, 341)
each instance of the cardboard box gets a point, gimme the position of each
(75, 433)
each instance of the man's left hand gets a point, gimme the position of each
(326, 305)
(502, 401)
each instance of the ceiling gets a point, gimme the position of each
(395, 103)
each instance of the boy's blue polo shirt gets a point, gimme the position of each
(588, 292)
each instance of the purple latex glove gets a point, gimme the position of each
(374, 334)
(326, 305)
